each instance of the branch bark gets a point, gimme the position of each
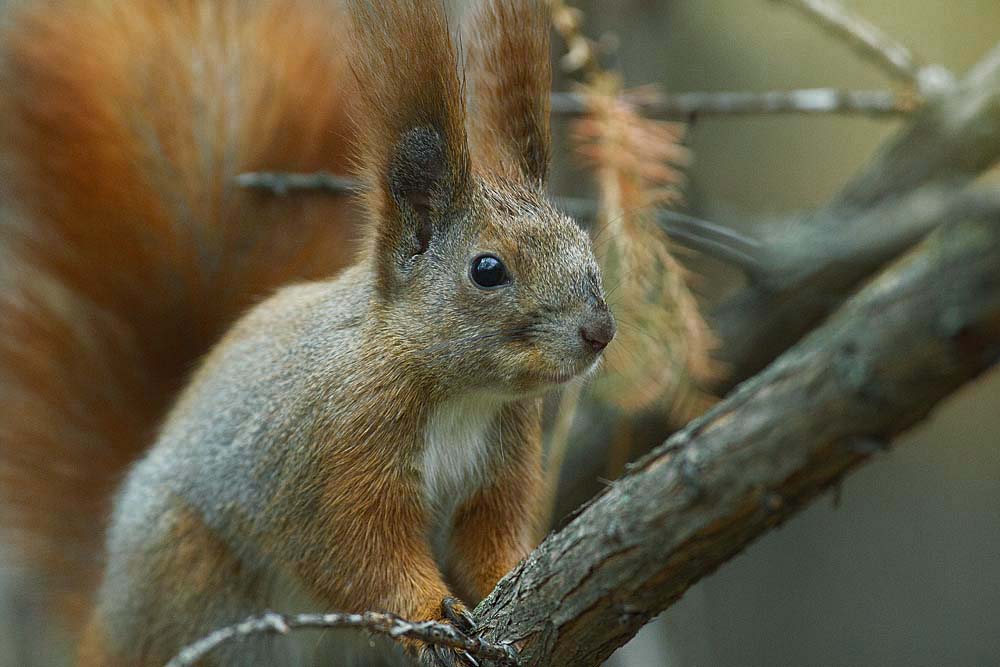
(905, 342)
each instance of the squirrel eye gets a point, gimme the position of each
(488, 272)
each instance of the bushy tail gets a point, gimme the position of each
(126, 248)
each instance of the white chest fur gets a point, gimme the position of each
(461, 443)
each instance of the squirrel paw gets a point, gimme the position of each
(442, 656)
(458, 615)
(454, 612)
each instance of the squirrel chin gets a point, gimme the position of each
(543, 384)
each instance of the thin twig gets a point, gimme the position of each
(282, 183)
(814, 101)
(872, 43)
(390, 625)
(741, 252)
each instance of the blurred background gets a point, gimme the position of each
(904, 569)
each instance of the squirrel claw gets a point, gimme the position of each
(457, 614)
(454, 658)
(442, 656)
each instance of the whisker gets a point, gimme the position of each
(626, 212)
(635, 327)
(622, 280)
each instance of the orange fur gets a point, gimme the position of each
(295, 460)
(125, 247)
(198, 558)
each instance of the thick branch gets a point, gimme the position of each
(873, 103)
(892, 352)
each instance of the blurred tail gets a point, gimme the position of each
(126, 248)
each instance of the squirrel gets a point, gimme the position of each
(361, 440)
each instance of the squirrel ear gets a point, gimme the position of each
(414, 156)
(511, 76)
(419, 176)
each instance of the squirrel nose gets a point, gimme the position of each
(599, 331)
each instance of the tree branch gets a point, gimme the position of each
(719, 241)
(872, 103)
(812, 262)
(888, 356)
(872, 43)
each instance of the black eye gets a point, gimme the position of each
(488, 272)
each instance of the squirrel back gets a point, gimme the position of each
(126, 247)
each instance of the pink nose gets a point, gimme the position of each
(598, 332)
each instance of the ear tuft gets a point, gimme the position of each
(511, 77)
(413, 150)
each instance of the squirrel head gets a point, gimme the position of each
(477, 276)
